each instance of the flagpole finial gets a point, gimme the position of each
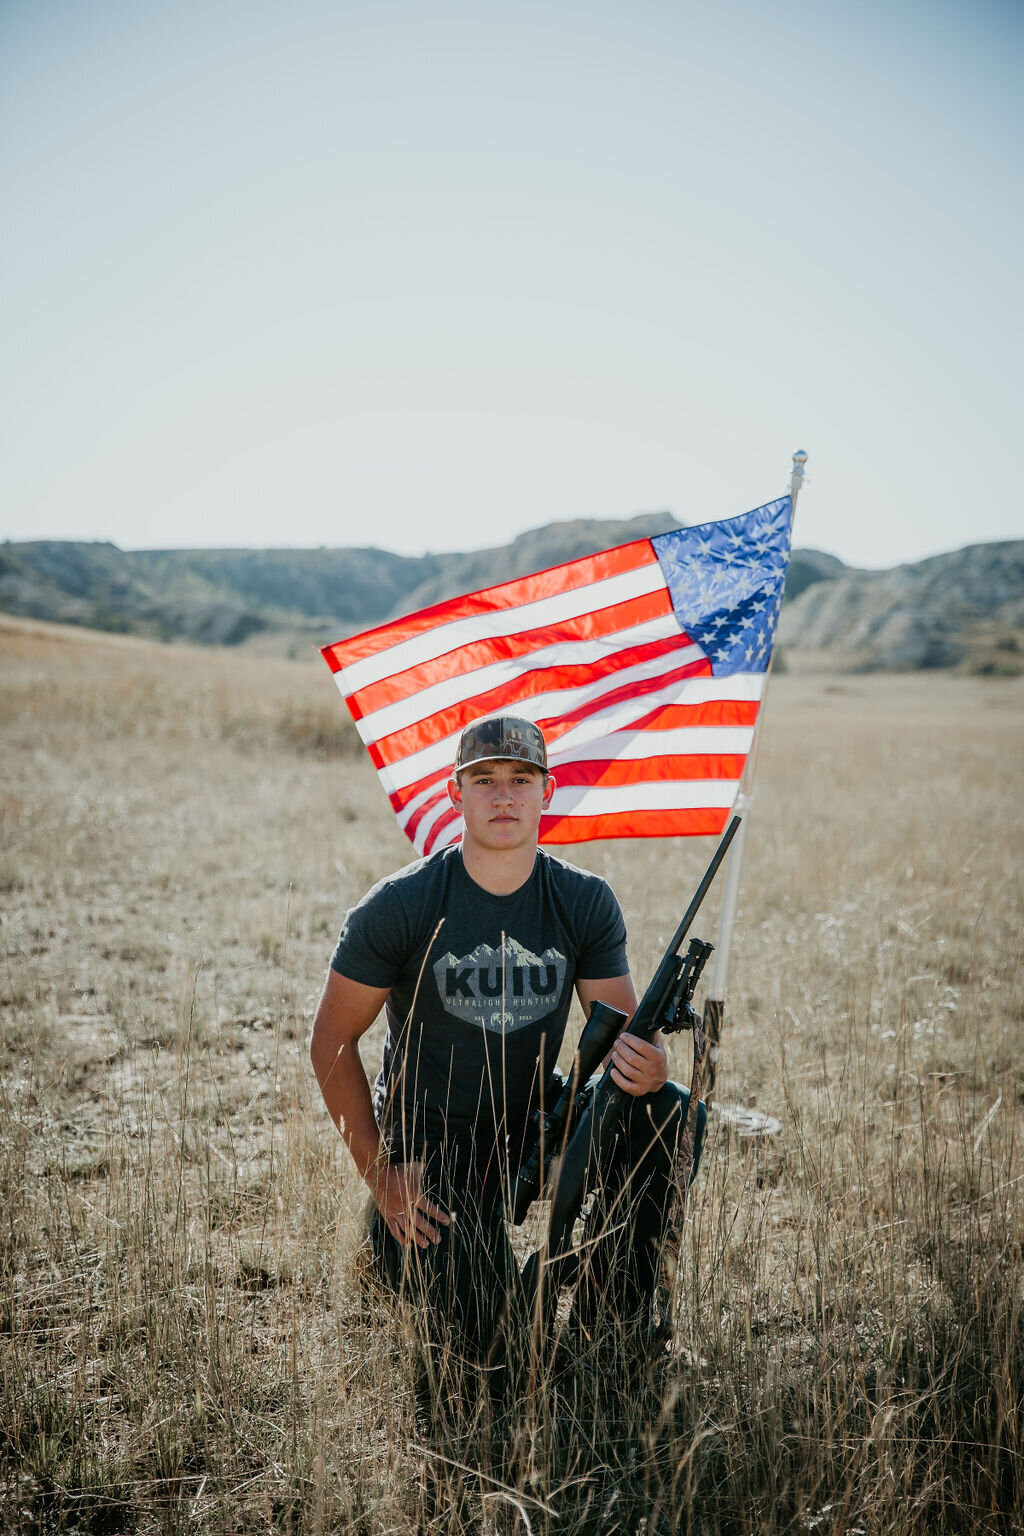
(796, 479)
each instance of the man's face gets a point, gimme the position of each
(501, 802)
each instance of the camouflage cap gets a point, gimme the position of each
(501, 736)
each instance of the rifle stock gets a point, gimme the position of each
(551, 1127)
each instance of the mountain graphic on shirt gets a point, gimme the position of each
(500, 989)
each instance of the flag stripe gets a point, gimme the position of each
(601, 734)
(449, 627)
(413, 754)
(699, 822)
(607, 653)
(724, 712)
(433, 822)
(422, 812)
(555, 691)
(476, 654)
(509, 594)
(406, 802)
(627, 821)
(640, 770)
(742, 689)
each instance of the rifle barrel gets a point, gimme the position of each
(702, 889)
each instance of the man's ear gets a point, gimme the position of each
(549, 789)
(455, 793)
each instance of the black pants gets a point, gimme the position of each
(462, 1286)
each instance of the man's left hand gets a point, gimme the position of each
(639, 1066)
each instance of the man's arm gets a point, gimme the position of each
(345, 1012)
(638, 1066)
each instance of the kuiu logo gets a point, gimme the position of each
(500, 989)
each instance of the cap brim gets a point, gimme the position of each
(500, 757)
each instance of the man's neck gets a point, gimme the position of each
(500, 873)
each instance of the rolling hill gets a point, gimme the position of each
(964, 609)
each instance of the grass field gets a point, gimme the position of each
(186, 1345)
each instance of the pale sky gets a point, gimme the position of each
(426, 273)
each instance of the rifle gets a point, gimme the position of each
(667, 1005)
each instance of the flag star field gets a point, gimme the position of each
(726, 582)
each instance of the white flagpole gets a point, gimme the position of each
(714, 1007)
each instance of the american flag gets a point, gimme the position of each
(644, 666)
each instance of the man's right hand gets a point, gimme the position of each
(345, 1012)
(410, 1215)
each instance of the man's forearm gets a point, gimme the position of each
(346, 1091)
(412, 1218)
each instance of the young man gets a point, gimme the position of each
(475, 952)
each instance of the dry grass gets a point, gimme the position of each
(184, 1346)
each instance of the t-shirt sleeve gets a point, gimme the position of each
(603, 940)
(374, 943)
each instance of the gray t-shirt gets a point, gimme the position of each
(480, 991)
